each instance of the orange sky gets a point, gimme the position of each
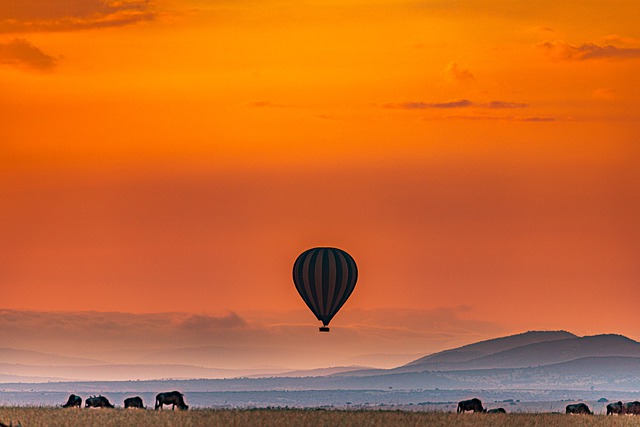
(177, 156)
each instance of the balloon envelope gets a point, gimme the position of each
(325, 278)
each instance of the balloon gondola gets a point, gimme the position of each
(325, 278)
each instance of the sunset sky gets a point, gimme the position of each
(478, 159)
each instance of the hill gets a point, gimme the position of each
(540, 360)
(12, 356)
(489, 347)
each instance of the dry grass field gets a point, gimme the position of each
(49, 417)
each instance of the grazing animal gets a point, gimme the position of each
(73, 401)
(496, 411)
(10, 424)
(97, 402)
(578, 408)
(474, 405)
(171, 398)
(133, 402)
(615, 408)
(632, 408)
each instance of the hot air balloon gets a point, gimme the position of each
(324, 278)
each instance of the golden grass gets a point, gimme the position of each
(51, 417)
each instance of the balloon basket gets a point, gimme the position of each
(324, 329)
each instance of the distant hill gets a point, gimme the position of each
(115, 372)
(546, 353)
(530, 349)
(526, 350)
(490, 347)
(537, 360)
(606, 374)
(10, 355)
(319, 372)
(464, 357)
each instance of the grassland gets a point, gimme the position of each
(50, 417)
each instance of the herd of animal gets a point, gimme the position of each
(174, 398)
(616, 408)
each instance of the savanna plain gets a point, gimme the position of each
(47, 416)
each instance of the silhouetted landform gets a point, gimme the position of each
(533, 360)
(529, 349)
(545, 353)
(483, 349)
(20, 372)
(319, 372)
(27, 357)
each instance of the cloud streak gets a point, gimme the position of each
(20, 53)
(272, 338)
(531, 119)
(560, 50)
(18, 16)
(459, 74)
(460, 103)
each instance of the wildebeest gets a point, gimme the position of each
(73, 401)
(171, 398)
(133, 402)
(615, 408)
(10, 424)
(97, 402)
(496, 411)
(632, 408)
(474, 405)
(578, 408)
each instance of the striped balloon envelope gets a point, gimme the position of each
(325, 278)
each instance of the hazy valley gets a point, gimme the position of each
(530, 367)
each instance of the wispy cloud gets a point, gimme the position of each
(606, 94)
(502, 104)
(562, 51)
(208, 340)
(265, 104)
(532, 119)
(204, 323)
(20, 53)
(419, 105)
(539, 119)
(458, 73)
(460, 103)
(618, 39)
(69, 15)
(96, 326)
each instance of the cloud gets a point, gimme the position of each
(216, 341)
(460, 103)
(21, 53)
(533, 119)
(545, 29)
(266, 104)
(503, 104)
(127, 329)
(562, 51)
(615, 38)
(204, 323)
(606, 94)
(539, 119)
(419, 105)
(69, 15)
(459, 74)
